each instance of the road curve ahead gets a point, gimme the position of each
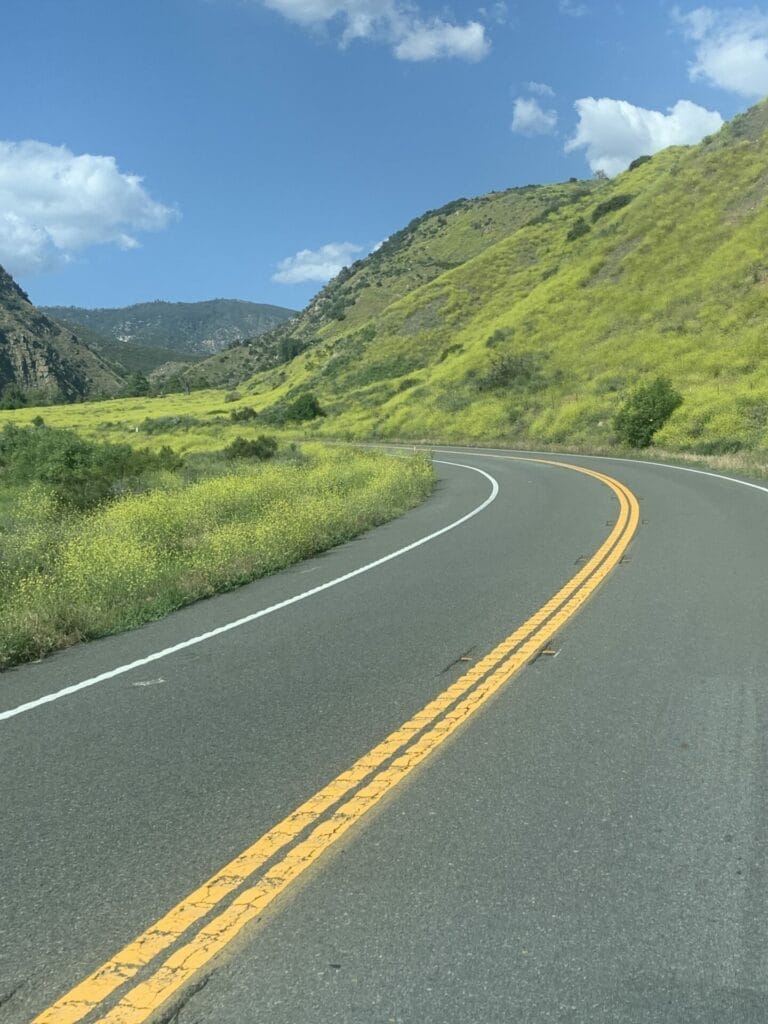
(515, 772)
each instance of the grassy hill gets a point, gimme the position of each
(438, 241)
(540, 336)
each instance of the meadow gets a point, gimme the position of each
(71, 571)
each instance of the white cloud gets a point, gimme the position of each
(316, 264)
(614, 132)
(499, 13)
(573, 9)
(53, 204)
(540, 88)
(529, 118)
(732, 48)
(441, 39)
(395, 22)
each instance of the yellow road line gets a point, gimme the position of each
(146, 997)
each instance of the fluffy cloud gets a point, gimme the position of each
(732, 48)
(53, 204)
(395, 22)
(441, 39)
(529, 118)
(614, 132)
(540, 88)
(316, 264)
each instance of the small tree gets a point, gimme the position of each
(136, 386)
(645, 411)
(305, 407)
(12, 397)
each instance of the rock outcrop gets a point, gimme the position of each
(44, 359)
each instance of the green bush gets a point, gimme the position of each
(638, 162)
(263, 447)
(81, 473)
(164, 424)
(289, 348)
(646, 410)
(136, 386)
(247, 412)
(610, 205)
(520, 370)
(305, 407)
(12, 397)
(578, 230)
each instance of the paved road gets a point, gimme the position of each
(591, 846)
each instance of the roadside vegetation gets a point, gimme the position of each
(97, 538)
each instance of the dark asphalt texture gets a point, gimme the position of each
(593, 847)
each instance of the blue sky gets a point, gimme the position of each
(192, 149)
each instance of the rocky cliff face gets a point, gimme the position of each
(43, 357)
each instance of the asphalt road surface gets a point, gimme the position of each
(574, 835)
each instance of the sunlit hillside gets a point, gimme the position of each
(539, 337)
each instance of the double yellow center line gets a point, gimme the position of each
(205, 922)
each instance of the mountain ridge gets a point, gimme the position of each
(203, 327)
(44, 360)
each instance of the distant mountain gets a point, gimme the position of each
(125, 357)
(45, 360)
(181, 327)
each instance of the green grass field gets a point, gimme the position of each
(69, 574)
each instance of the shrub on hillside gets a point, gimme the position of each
(136, 386)
(578, 230)
(12, 397)
(645, 411)
(638, 162)
(81, 473)
(611, 205)
(518, 370)
(164, 424)
(243, 414)
(263, 447)
(305, 407)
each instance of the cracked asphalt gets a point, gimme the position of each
(591, 847)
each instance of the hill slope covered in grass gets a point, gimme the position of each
(427, 247)
(539, 337)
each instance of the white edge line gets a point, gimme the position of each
(515, 452)
(157, 655)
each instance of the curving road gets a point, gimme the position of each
(586, 842)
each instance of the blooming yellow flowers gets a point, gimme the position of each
(86, 575)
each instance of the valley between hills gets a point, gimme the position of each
(524, 317)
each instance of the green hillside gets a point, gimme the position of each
(540, 336)
(438, 241)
